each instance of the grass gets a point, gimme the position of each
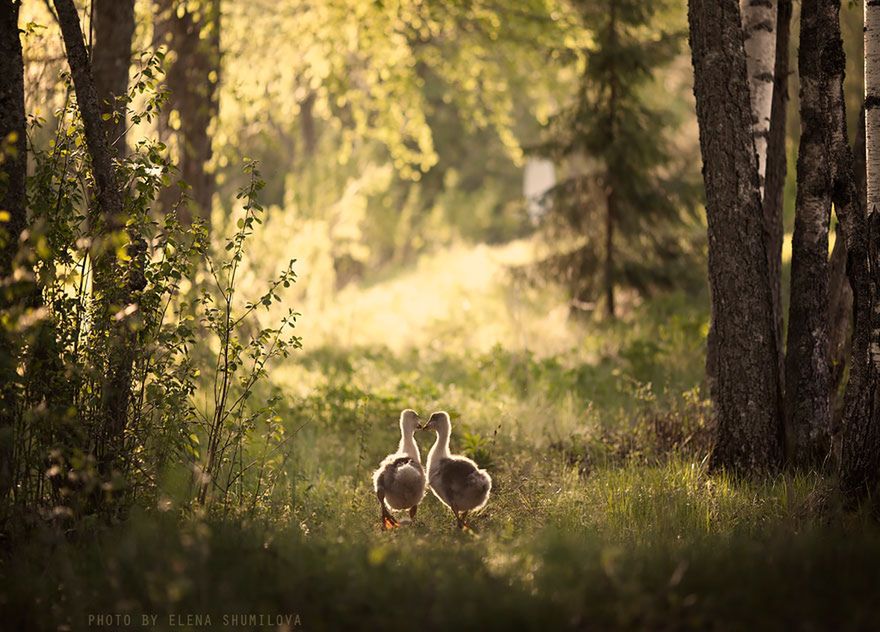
(603, 515)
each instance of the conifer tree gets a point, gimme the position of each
(626, 199)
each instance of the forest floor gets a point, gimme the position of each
(602, 514)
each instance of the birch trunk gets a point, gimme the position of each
(742, 364)
(777, 168)
(759, 34)
(860, 443)
(807, 372)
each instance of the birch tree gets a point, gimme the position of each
(861, 426)
(777, 169)
(759, 40)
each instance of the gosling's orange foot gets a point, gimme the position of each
(389, 523)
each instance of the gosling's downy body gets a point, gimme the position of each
(399, 482)
(455, 479)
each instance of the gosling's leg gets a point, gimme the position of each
(412, 512)
(388, 521)
(459, 522)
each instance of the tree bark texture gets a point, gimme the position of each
(13, 172)
(840, 299)
(108, 195)
(759, 34)
(111, 60)
(13, 168)
(807, 371)
(777, 167)
(192, 79)
(860, 444)
(744, 374)
(113, 293)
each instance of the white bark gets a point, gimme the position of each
(759, 34)
(872, 138)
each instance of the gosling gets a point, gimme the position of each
(399, 482)
(455, 480)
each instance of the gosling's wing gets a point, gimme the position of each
(384, 474)
(395, 465)
(457, 475)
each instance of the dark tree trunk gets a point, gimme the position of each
(13, 171)
(860, 442)
(807, 372)
(611, 202)
(111, 59)
(113, 288)
(840, 300)
(744, 368)
(611, 197)
(777, 167)
(307, 125)
(839, 321)
(192, 80)
(108, 195)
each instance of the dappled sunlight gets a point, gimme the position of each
(457, 298)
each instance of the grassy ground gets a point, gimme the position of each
(602, 515)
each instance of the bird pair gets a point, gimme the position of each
(455, 480)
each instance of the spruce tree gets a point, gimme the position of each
(626, 196)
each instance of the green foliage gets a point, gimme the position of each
(616, 137)
(187, 339)
(393, 128)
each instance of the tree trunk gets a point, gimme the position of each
(611, 194)
(13, 147)
(860, 445)
(807, 372)
(13, 171)
(609, 253)
(192, 80)
(777, 167)
(840, 299)
(108, 195)
(744, 372)
(112, 291)
(111, 59)
(759, 33)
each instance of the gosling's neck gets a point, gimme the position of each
(408, 445)
(441, 446)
